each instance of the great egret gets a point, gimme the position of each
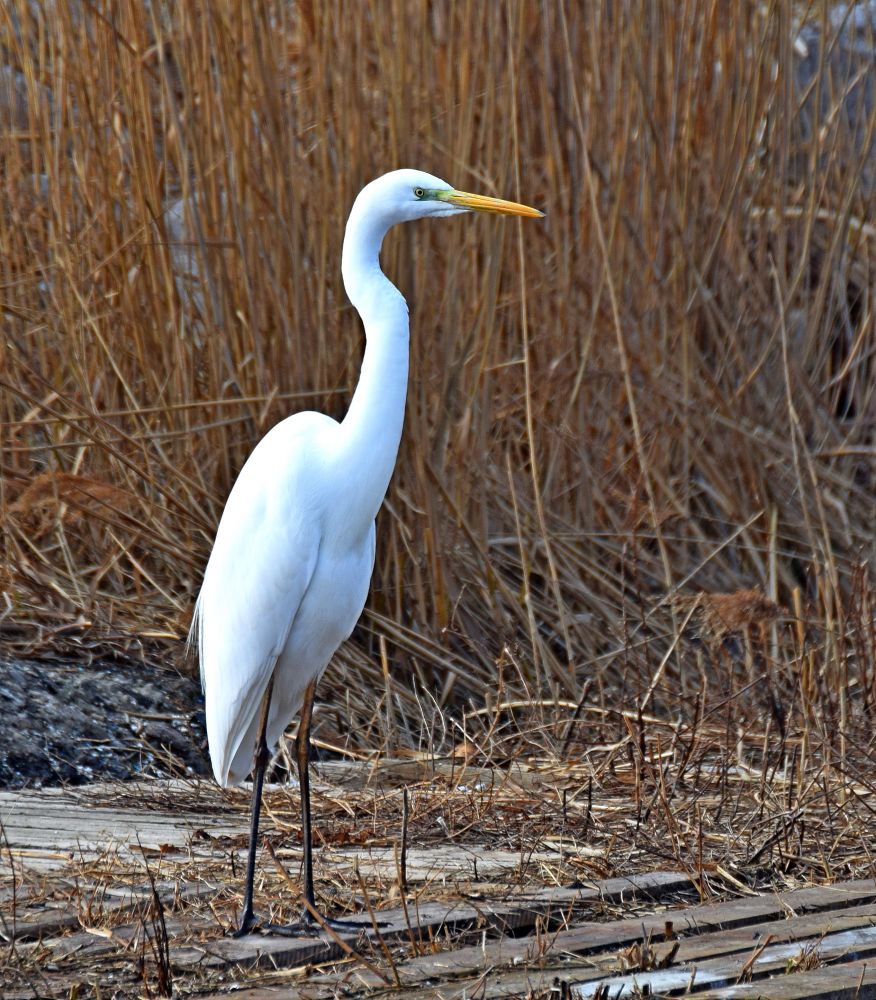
(290, 568)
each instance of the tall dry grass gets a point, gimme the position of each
(666, 388)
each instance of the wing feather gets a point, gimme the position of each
(263, 559)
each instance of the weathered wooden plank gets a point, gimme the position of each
(32, 921)
(723, 973)
(256, 950)
(147, 799)
(718, 941)
(389, 774)
(45, 829)
(712, 979)
(744, 939)
(27, 922)
(541, 973)
(855, 980)
(92, 943)
(714, 958)
(829, 983)
(445, 862)
(36, 817)
(852, 981)
(101, 825)
(587, 939)
(517, 912)
(263, 993)
(706, 930)
(192, 945)
(591, 938)
(429, 919)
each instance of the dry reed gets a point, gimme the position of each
(666, 389)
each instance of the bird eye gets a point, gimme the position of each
(419, 193)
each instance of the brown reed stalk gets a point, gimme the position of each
(580, 448)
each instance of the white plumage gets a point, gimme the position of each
(289, 572)
(299, 586)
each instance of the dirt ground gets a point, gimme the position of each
(69, 724)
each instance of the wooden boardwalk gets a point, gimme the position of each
(70, 927)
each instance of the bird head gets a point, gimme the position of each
(404, 195)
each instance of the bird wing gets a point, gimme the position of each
(263, 559)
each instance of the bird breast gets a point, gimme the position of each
(333, 602)
(327, 615)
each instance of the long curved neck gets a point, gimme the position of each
(372, 428)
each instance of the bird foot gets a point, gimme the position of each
(308, 926)
(248, 924)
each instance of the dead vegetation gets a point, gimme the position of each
(483, 882)
(631, 530)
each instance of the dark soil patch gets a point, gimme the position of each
(67, 724)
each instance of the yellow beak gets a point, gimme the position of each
(481, 203)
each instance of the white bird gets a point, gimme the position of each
(290, 568)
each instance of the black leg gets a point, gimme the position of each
(302, 752)
(308, 924)
(262, 756)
